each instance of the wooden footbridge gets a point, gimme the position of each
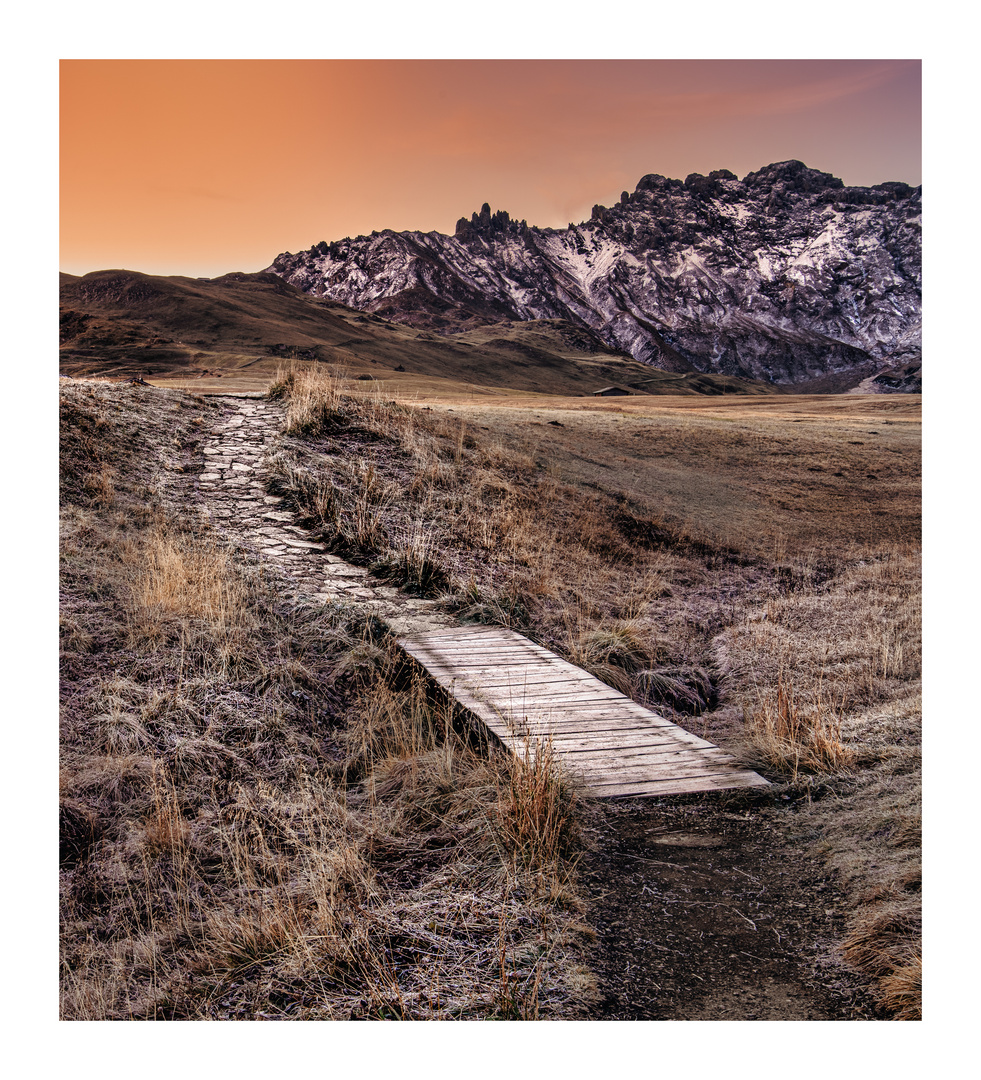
(525, 694)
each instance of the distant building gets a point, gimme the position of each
(611, 391)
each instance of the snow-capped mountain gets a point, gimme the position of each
(786, 275)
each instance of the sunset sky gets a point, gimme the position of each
(201, 167)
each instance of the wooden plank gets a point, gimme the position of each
(483, 643)
(495, 657)
(538, 706)
(595, 693)
(490, 652)
(530, 671)
(588, 741)
(577, 748)
(582, 732)
(707, 781)
(612, 770)
(603, 774)
(653, 763)
(596, 712)
(558, 731)
(528, 696)
(590, 717)
(557, 728)
(495, 665)
(561, 702)
(474, 633)
(552, 726)
(687, 785)
(454, 639)
(655, 755)
(471, 630)
(537, 684)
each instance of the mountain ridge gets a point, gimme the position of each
(787, 276)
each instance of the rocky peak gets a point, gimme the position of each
(791, 177)
(656, 183)
(485, 224)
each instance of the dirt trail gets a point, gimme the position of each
(705, 907)
(708, 913)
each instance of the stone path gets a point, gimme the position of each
(235, 500)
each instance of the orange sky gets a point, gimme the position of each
(201, 167)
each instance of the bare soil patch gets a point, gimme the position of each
(706, 911)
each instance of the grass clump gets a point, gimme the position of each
(613, 653)
(312, 399)
(507, 608)
(901, 991)
(411, 566)
(688, 690)
(793, 736)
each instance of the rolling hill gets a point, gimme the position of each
(125, 323)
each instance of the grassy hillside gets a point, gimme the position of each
(119, 322)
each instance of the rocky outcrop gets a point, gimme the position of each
(906, 379)
(787, 275)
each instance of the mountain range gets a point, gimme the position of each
(786, 277)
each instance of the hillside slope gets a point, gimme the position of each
(122, 322)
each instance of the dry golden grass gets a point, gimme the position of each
(180, 577)
(902, 989)
(254, 823)
(793, 736)
(100, 486)
(755, 563)
(312, 395)
(537, 813)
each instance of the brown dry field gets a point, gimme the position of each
(816, 470)
(411, 388)
(750, 569)
(749, 471)
(740, 564)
